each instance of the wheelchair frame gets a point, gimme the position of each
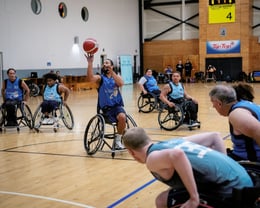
(213, 78)
(63, 112)
(171, 118)
(96, 134)
(24, 117)
(241, 198)
(146, 103)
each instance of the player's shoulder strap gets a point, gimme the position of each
(20, 83)
(170, 84)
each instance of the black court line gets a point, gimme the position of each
(13, 150)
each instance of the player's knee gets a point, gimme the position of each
(161, 200)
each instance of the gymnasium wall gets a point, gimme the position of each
(159, 53)
(43, 42)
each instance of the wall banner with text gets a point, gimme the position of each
(228, 46)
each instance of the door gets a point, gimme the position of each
(228, 69)
(1, 69)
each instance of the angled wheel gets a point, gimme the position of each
(94, 134)
(130, 122)
(34, 90)
(170, 118)
(27, 116)
(147, 103)
(37, 118)
(1, 118)
(66, 116)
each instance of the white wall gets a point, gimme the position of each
(29, 41)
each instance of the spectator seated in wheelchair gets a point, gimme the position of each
(211, 73)
(174, 93)
(14, 93)
(187, 167)
(110, 100)
(52, 97)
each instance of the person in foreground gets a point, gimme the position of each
(110, 100)
(235, 103)
(52, 96)
(181, 163)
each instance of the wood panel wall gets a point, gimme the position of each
(158, 54)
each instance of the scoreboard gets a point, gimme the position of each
(221, 11)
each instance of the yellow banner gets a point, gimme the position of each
(222, 13)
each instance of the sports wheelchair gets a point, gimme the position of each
(34, 88)
(23, 113)
(241, 198)
(148, 102)
(62, 112)
(98, 129)
(210, 76)
(171, 118)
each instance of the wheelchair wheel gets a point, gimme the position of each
(147, 103)
(34, 90)
(37, 118)
(1, 118)
(66, 116)
(130, 122)
(27, 116)
(170, 118)
(94, 134)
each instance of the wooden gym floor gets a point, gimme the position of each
(48, 169)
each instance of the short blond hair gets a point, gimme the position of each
(135, 138)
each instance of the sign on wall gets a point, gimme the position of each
(228, 46)
(221, 11)
(126, 69)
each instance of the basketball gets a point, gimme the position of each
(90, 46)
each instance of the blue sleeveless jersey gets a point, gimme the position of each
(212, 170)
(108, 93)
(150, 84)
(51, 93)
(13, 90)
(239, 141)
(177, 91)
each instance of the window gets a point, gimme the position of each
(84, 14)
(36, 6)
(62, 10)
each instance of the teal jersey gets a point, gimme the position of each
(212, 170)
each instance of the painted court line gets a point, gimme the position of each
(130, 194)
(47, 198)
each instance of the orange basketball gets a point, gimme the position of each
(90, 45)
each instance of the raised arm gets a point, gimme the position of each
(90, 76)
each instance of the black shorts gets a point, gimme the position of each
(188, 73)
(112, 112)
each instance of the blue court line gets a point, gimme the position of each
(132, 193)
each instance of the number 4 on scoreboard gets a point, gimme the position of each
(224, 13)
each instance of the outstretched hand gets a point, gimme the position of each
(89, 57)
